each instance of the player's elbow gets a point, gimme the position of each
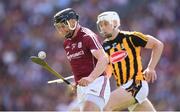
(160, 45)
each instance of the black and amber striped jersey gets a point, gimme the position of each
(124, 55)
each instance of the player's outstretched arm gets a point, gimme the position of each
(157, 48)
(99, 69)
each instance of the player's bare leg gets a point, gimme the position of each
(74, 109)
(120, 99)
(74, 106)
(89, 106)
(145, 106)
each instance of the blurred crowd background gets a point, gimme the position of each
(26, 27)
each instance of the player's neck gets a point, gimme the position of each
(114, 34)
(76, 30)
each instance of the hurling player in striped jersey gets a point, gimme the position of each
(123, 49)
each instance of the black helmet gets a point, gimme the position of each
(64, 15)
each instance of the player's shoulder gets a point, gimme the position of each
(89, 36)
(126, 32)
(87, 32)
(139, 34)
(135, 33)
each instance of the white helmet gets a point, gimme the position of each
(109, 16)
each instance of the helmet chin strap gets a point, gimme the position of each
(72, 28)
(70, 34)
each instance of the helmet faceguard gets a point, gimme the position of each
(110, 16)
(63, 17)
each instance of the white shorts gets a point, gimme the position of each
(97, 92)
(139, 90)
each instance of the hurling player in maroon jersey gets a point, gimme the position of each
(87, 59)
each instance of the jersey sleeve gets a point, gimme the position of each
(92, 42)
(139, 39)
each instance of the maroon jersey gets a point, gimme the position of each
(78, 51)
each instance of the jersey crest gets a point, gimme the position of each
(118, 56)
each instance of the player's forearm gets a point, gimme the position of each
(100, 67)
(155, 55)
